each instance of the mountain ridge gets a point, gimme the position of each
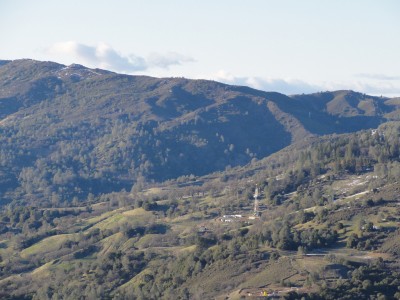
(102, 130)
(118, 187)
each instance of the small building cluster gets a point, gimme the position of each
(231, 218)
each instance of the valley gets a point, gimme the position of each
(237, 263)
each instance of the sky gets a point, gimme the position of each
(288, 46)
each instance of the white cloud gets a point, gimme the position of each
(367, 86)
(389, 89)
(168, 59)
(104, 56)
(286, 86)
(290, 86)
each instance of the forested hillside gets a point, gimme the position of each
(131, 187)
(327, 227)
(69, 131)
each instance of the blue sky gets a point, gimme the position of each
(289, 46)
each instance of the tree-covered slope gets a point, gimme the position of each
(68, 131)
(327, 227)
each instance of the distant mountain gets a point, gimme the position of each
(345, 111)
(71, 130)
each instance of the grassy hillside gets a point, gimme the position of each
(328, 227)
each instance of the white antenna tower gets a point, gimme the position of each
(256, 195)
